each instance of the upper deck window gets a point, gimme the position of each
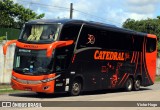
(151, 45)
(40, 32)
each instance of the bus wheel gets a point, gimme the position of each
(137, 85)
(75, 88)
(129, 84)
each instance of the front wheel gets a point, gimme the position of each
(129, 84)
(75, 88)
(137, 85)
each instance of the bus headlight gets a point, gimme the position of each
(50, 79)
(13, 77)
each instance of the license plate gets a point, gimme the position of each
(28, 88)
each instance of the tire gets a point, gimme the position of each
(75, 88)
(129, 84)
(137, 84)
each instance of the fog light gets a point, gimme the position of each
(45, 88)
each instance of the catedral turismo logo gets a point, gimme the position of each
(109, 55)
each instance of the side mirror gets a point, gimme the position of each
(57, 44)
(7, 44)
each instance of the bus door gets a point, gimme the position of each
(62, 61)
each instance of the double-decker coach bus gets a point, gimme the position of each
(54, 56)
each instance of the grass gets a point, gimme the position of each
(6, 89)
(157, 78)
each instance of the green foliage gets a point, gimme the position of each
(2, 38)
(157, 78)
(14, 15)
(11, 33)
(151, 26)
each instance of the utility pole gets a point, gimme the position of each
(71, 10)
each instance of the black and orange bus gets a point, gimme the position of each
(53, 56)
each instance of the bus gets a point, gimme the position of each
(72, 56)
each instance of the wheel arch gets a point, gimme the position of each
(79, 78)
(138, 77)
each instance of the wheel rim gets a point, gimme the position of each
(137, 84)
(75, 88)
(129, 84)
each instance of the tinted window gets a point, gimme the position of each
(108, 39)
(138, 43)
(115, 40)
(151, 45)
(70, 32)
(88, 37)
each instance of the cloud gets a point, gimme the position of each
(142, 6)
(106, 11)
(141, 2)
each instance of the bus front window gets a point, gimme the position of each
(40, 32)
(32, 62)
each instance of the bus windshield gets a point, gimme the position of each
(40, 32)
(32, 62)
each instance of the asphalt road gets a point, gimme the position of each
(151, 93)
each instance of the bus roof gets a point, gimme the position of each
(96, 24)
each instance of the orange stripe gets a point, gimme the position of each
(144, 60)
(122, 78)
(133, 57)
(136, 63)
(151, 36)
(141, 61)
(32, 46)
(125, 79)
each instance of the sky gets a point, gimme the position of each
(113, 12)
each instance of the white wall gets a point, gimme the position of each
(6, 70)
(158, 66)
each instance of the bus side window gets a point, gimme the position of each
(151, 45)
(70, 32)
(87, 37)
(115, 41)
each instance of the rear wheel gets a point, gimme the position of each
(129, 84)
(137, 85)
(75, 88)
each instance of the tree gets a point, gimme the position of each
(14, 15)
(151, 26)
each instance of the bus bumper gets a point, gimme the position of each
(43, 87)
(36, 84)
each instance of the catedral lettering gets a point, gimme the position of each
(108, 55)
